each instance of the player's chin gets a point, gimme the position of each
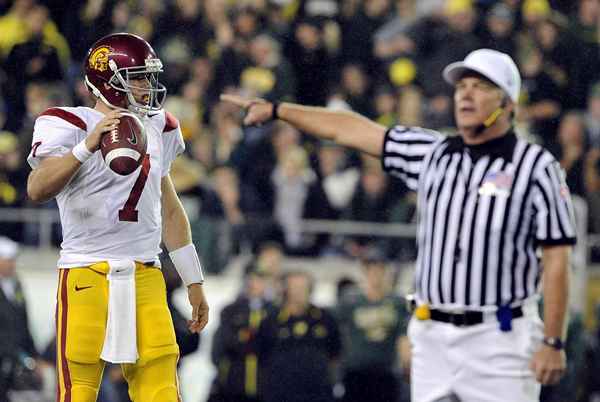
(142, 99)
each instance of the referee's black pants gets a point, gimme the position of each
(371, 384)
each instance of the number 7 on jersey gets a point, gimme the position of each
(128, 213)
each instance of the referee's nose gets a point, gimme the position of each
(464, 95)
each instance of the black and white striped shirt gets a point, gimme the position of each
(483, 210)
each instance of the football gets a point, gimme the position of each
(123, 149)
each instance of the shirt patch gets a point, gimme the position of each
(497, 183)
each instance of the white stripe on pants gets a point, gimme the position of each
(478, 363)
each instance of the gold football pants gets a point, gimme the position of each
(81, 313)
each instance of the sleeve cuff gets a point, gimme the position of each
(563, 241)
(385, 140)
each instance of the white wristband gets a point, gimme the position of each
(81, 153)
(187, 264)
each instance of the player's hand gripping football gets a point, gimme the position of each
(258, 111)
(199, 308)
(108, 123)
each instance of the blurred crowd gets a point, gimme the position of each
(381, 58)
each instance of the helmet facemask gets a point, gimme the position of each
(154, 92)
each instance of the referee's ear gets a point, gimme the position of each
(506, 102)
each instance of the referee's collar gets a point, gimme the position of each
(501, 147)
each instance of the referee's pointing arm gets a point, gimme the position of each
(345, 128)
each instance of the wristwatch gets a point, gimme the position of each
(554, 342)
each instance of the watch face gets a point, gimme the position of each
(554, 342)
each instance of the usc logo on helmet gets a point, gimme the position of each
(99, 58)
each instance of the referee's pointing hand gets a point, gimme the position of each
(258, 111)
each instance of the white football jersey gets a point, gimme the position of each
(105, 215)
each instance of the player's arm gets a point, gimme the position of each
(345, 128)
(177, 237)
(51, 176)
(54, 173)
(176, 230)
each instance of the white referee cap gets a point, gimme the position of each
(8, 248)
(496, 66)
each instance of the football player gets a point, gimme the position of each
(111, 301)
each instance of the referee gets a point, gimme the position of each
(490, 205)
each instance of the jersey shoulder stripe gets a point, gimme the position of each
(171, 122)
(66, 116)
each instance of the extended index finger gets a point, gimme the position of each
(236, 100)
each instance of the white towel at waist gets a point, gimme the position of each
(120, 343)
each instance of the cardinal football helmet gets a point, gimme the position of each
(111, 65)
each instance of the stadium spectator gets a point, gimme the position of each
(431, 37)
(390, 40)
(500, 26)
(187, 22)
(234, 205)
(13, 179)
(358, 25)
(592, 187)
(533, 12)
(541, 95)
(562, 56)
(298, 346)
(345, 286)
(32, 60)
(292, 179)
(329, 195)
(355, 88)
(583, 27)
(338, 178)
(373, 324)
(571, 138)
(234, 352)
(373, 201)
(592, 117)
(312, 64)
(268, 73)
(386, 105)
(18, 355)
(269, 257)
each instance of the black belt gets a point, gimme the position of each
(467, 318)
(152, 263)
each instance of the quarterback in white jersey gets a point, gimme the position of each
(91, 207)
(111, 301)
